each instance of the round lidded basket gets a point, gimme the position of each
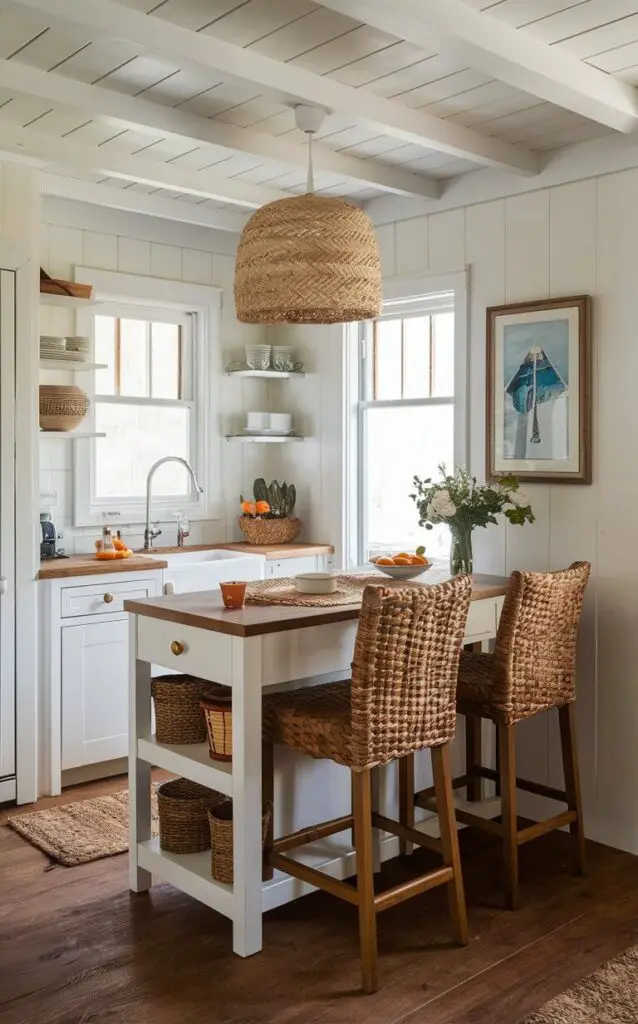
(178, 716)
(220, 818)
(183, 808)
(62, 407)
(270, 531)
(218, 715)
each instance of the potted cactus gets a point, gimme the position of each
(269, 519)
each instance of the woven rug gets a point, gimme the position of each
(349, 589)
(610, 996)
(79, 832)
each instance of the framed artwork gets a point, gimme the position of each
(538, 391)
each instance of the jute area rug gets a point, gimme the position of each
(76, 833)
(610, 996)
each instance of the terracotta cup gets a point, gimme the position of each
(233, 593)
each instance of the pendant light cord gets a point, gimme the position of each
(310, 181)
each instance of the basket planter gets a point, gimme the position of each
(218, 715)
(220, 818)
(62, 407)
(178, 716)
(183, 808)
(270, 531)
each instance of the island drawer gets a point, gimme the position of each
(482, 619)
(196, 652)
(103, 598)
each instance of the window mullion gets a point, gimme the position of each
(117, 358)
(149, 358)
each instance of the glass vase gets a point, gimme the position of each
(461, 560)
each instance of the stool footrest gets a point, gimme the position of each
(411, 835)
(312, 833)
(307, 874)
(399, 893)
(541, 828)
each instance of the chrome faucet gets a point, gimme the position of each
(150, 533)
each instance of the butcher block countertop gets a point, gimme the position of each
(89, 565)
(206, 610)
(273, 552)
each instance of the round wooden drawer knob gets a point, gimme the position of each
(108, 598)
(177, 647)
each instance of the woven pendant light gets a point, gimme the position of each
(308, 259)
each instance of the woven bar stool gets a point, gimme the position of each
(532, 669)
(401, 699)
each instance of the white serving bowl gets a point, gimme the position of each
(402, 572)
(316, 583)
(281, 421)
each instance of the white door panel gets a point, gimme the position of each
(7, 525)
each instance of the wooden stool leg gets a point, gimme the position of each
(507, 754)
(406, 799)
(497, 765)
(362, 801)
(449, 840)
(566, 718)
(268, 793)
(473, 756)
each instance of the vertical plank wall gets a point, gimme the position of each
(570, 239)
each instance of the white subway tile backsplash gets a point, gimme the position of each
(133, 256)
(55, 454)
(166, 261)
(65, 250)
(100, 250)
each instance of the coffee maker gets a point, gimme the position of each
(48, 537)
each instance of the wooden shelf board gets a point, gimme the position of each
(66, 301)
(190, 760)
(68, 366)
(188, 872)
(268, 374)
(263, 439)
(69, 435)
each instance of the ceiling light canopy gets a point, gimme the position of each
(308, 259)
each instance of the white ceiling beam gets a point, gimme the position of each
(288, 82)
(145, 114)
(509, 54)
(137, 202)
(63, 154)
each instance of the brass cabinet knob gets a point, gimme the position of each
(177, 647)
(108, 598)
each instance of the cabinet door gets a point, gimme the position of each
(293, 566)
(94, 692)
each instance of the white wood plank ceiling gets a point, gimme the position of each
(190, 101)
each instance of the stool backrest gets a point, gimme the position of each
(535, 650)
(405, 668)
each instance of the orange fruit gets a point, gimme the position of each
(419, 560)
(402, 560)
(385, 560)
(402, 554)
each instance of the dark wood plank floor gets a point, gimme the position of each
(77, 948)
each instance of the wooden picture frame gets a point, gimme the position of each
(538, 394)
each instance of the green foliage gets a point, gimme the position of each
(280, 497)
(461, 502)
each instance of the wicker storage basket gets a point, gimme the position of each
(220, 818)
(178, 716)
(183, 815)
(270, 531)
(62, 407)
(218, 715)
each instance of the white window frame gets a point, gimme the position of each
(114, 292)
(401, 297)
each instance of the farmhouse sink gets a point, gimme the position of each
(190, 571)
(188, 557)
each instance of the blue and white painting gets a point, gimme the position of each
(536, 370)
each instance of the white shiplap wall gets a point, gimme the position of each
(575, 238)
(76, 234)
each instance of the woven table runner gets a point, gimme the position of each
(349, 589)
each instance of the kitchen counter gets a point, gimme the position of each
(270, 551)
(89, 565)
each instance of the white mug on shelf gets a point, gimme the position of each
(280, 421)
(257, 420)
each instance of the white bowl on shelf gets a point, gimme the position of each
(258, 357)
(316, 583)
(402, 572)
(280, 421)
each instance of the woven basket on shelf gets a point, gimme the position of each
(183, 815)
(62, 407)
(178, 716)
(270, 531)
(308, 259)
(216, 705)
(220, 818)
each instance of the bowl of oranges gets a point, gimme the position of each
(402, 566)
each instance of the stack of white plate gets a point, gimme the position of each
(51, 347)
(64, 350)
(79, 346)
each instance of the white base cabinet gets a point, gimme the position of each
(294, 566)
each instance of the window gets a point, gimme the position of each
(409, 415)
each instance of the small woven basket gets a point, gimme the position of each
(178, 716)
(62, 407)
(270, 531)
(220, 818)
(183, 808)
(218, 715)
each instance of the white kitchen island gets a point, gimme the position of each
(249, 650)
